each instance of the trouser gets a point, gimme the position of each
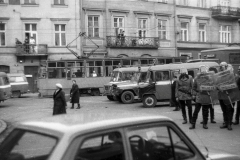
(196, 111)
(228, 111)
(175, 102)
(183, 104)
(237, 115)
(211, 112)
(205, 111)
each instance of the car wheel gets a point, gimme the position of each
(16, 94)
(149, 101)
(127, 97)
(110, 98)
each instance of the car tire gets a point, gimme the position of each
(110, 98)
(16, 94)
(127, 97)
(149, 101)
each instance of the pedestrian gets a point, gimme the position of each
(59, 106)
(74, 94)
(226, 108)
(26, 44)
(184, 94)
(202, 99)
(174, 101)
(32, 43)
(237, 114)
(94, 74)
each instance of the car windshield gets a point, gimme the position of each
(4, 81)
(24, 144)
(114, 77)
(139, 77)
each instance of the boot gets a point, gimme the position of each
(236, 122)
(78, 106)
(184, 121)
(72, 106)
(193, 126)
(229, 127)
(201, 122)
(205, 126)
(224, 125)
(212, 121)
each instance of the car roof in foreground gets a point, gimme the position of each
(90, 121)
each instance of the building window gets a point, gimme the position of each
(93, 26)
(202, 32)
(60, 34)
(118, 24)
(162, 29)
(31, 31)
(59, 2)
(14, 2)
(142, 28)
(202, 3)
(225, 34)
(225, 3)
(2, 34)
(184, 31)
(29, 2)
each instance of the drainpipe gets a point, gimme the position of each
(175, 28)
(81, 27)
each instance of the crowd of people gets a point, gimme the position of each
(185, 89)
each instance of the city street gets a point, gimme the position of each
(30, 107)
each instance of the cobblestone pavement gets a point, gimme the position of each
(30, 107)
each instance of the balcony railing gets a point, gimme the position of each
(132, 42)
(31, 50)
(223, 11)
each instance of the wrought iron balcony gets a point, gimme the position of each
(223, 12)
(132, 42)
(31, 50)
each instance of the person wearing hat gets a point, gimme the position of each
(59, 101)
(237, 114)
(184, 94)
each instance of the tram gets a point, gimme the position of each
(5, 87)
(90, 74)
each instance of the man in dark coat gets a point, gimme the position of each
(74, 95)
(59, 106)
(175, 102)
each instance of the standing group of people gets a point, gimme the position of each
(29, 44)
(185, 89)
(59, 100)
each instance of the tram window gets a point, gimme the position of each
(52, 64)
(79, 64)
(116, 62)
(144, 62)
(60, 64)
(108, 63)
(169, 61)
(71, 64)
(134, 62)
(177, 60)
(161, 61)
(94, 69)
(56, 73)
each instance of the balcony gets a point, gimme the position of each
(132, 42)
(225, 13)
(31, 50)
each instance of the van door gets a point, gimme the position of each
(163, 85)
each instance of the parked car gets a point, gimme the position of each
(19, 84)
(5, 87)
(97, 137)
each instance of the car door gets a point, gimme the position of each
(160, 141)
(163, 85)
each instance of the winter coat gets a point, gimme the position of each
(74, 94)
(184, 89)
(59, 106)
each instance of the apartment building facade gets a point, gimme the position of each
(51, 23)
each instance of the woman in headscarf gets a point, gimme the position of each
(184, 94)
(59, 106)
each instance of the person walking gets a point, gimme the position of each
(59, 101)
(74, 94)
(203, 100)
(237, 114)
(226, 108)
(184, 94)
(174, 101)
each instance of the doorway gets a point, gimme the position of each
(31, 73)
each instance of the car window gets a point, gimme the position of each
(27, 145)
(157, 143)
(161, 76)
(107, 146)
(16, 79)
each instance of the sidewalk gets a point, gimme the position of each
(3, 126)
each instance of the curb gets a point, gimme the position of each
(3, 126)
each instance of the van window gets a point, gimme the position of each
(4, 81)
(162, 76)
(16, 79)
(191, 73)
